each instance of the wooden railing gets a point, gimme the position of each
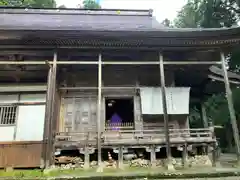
(183, 133)
(109, 135)
(119, 126)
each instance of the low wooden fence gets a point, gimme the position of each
(119, 126)
(115, 135)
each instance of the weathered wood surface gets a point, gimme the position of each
(131, 137)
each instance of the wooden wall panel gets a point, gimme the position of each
(20, 154)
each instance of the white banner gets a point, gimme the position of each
(177, 100)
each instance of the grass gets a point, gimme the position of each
(128, 173)
(22, 173)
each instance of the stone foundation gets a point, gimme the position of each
(196, 161)
(139, 163)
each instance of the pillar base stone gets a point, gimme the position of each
(86, 166)
(42, 165)
(170, 167)
(237, 163)
(186, 165)
(100, 168)
(121, 167)
(218, 164)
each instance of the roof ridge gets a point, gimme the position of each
(74, 11)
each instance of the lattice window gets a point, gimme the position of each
(8, 115)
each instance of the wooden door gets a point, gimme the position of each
(80, 114)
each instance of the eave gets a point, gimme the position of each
(103, 29)
(156, 40)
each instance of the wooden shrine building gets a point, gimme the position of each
(89, 80)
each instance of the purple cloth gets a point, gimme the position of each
(115, 119)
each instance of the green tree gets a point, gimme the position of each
(214, 14)
(206, 14)
(29, 3)
(91, 4)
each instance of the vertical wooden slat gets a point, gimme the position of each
(73, 114)
(3, 115)
(11, 115)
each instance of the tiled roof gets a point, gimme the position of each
(104, 29)
(76, 19)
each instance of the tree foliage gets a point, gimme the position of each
(91, 4)
(214, 14)
(207, 14)
(29, 3)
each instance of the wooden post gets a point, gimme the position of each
(153, 156)
(99, 113)
(44, 162)
(204, 116)
(52, 118)
(185, 156)
(231, 107)
(86, 158)
(214, 156)
(205, 124)
(86, 153)
(120, 157)
(165, 113)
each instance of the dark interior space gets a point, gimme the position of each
(162, 154)
(105, 155)
(119, 110)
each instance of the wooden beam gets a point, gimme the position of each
(110, 62)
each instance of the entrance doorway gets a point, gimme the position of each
(119, 113)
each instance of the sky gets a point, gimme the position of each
(161, 8)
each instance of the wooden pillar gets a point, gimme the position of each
(120, 157)
(153, 156)
(99, 131)
(44, 162)
(185, 156)
(204, 115)
(165, 113)
(52, 124)
(86, 158)
(231, 107)
(214, 155)
(205, 124)
(86, 152)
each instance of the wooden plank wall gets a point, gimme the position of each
(20, 154)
